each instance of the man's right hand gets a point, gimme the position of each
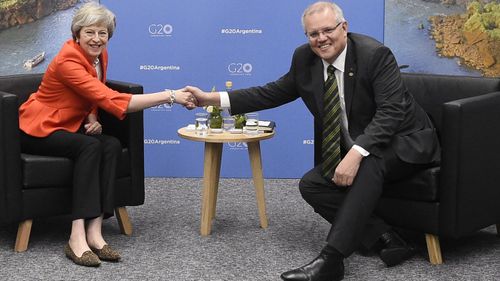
(204, 98)
(348, 168)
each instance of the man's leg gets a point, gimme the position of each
(326, 199)
(350, 209)
(348, 221)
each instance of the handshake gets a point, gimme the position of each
(191, 97)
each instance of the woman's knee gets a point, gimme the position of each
(113, 146)
(90, 144)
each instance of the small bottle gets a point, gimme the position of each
(229, 85)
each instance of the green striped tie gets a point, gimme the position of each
(330, 147)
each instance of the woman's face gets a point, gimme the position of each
(93, 39)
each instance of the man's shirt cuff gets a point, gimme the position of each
(359, 149)
(224, 100)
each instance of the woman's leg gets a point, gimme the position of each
(111, 149)
(96, 241)
(85, 151)
(94, 233)
(77, 239)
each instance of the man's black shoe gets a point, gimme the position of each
(325, 267)
(394, 249)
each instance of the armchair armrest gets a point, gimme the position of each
(470, 165)
(10, 159)
(130, 132)
(125, 87)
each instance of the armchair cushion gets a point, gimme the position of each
(50, 171)
(422, 186)
(46, 171)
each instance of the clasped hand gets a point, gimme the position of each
(184, 98)
(191, 97)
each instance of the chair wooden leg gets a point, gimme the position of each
(433, 249)
(498, 229)
(23, 236)
(123, 220)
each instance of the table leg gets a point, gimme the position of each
(258, 180)
(217, 164)
(211, 166)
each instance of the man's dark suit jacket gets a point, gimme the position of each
(380, 110)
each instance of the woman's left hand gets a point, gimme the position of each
(93, 128)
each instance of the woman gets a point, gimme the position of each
(60, 119)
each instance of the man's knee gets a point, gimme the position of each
(306, 183)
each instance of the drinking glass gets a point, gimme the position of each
(252, 123)
(228, 123)
(201, 123)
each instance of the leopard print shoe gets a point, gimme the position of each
(88, 258)
(107, 253)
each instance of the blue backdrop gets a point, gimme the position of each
(170, 44)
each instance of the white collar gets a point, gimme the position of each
(339, 62)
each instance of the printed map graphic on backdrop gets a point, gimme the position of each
(29, 28)
(457, 37)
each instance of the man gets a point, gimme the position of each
(352, 86)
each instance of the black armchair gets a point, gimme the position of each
(34, 186)
(462, 195)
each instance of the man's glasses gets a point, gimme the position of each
(327, 31)
(92, 33)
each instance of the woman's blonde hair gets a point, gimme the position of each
(92, 13)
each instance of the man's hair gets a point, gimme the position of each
(92, 13)
(320, 6)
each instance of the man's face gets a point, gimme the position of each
(327, 37)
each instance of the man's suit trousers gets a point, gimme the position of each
(350, 209)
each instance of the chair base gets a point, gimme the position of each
(433, 249)
(123, 221)
(24, 229)
(23, 235)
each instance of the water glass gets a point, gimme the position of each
(228, 123)
(201, 123)
(252, 123)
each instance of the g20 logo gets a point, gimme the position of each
(237, 145)
(238, 68)
(161, 107)
(160, 29)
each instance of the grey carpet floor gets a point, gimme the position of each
(166, 244)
